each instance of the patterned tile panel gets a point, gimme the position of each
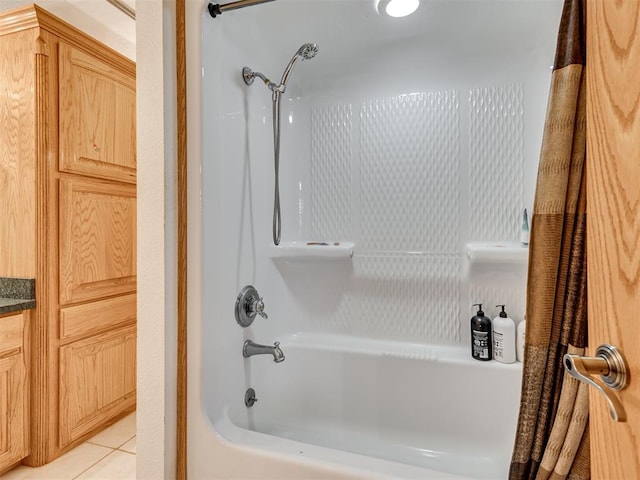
(407, 200)
(331, 137)
(496, 150)
(338, 312)
(409, 173)
(412, 298)
(512, 295)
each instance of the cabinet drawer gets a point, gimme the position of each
(97, 118)
(97, 239)
(11, 328)
(97, 382)
(88, 319)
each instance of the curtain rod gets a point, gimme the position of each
(123, 7)
(216, 9)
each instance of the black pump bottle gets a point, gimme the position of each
(481, 341)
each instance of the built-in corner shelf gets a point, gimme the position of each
(312, 250)
(497, 253)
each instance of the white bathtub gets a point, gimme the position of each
(430, 407)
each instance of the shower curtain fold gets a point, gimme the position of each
(552, 440)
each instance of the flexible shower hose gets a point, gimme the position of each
(276, 160)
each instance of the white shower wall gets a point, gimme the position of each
(409, 137)
(411, 178)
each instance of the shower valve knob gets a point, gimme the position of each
(249, 304)
(258, 307)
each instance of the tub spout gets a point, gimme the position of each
(250, 348)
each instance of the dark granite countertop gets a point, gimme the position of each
(16, 294)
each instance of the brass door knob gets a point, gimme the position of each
(607, 370)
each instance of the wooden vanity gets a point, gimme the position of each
(68, 196)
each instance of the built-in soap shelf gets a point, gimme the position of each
(312, 250)
(497, 253)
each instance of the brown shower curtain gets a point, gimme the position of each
(552, 438)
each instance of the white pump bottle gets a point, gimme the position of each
(504, 338)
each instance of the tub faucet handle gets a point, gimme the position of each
(258, 307)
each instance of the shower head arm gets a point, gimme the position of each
(305, 52)
(249, 76)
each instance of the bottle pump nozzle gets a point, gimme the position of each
(503, 314)
(480, 312)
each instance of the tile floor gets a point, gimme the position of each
(109, 455)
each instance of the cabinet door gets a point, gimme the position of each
(97, 239)
(97, 381)
(14, 424)
(97, 118)
(13, 412)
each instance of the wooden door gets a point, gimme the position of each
(97, 118)
(613, 231)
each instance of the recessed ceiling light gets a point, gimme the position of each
(397, 8)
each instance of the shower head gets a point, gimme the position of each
(308, 51)
(305, 52)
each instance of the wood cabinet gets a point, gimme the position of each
(68, 182)
(14, 389)
(97, 117)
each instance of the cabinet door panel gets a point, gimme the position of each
(97, 381)
(97, 118)
(11, 334)
(97, 239)
(86, 319)
(13, 411)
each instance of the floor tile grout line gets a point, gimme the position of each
(125, 451)
(109, 446)
(94, 464)
(124, 443)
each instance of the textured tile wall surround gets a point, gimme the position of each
(331, 172)
(409, 173)
(496, 150)
(400, 297)
(513, 295)
(404, 212)
(409, 298)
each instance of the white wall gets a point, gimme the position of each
(156, 97)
